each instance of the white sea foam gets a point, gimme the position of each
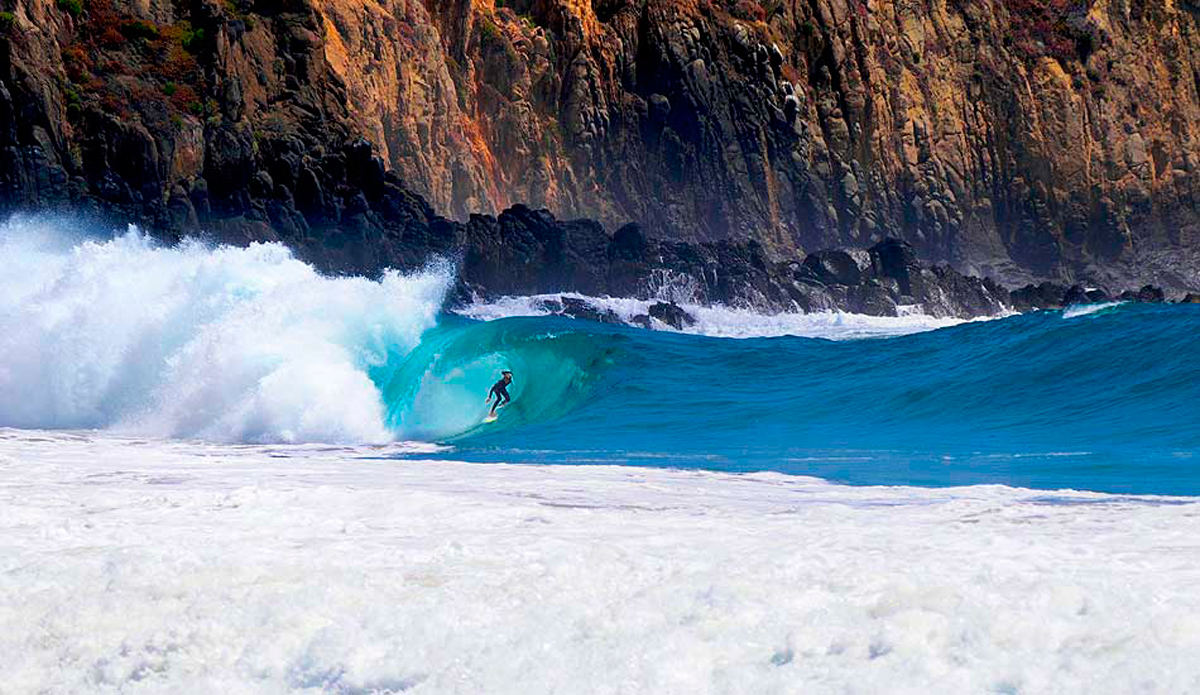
(234, 344)
(146, 566)
(1076, 310)
(727, 322)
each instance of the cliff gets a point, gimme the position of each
(1018, 138)
(1015, 138)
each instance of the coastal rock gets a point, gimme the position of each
(1190, 298)
(580, 309)
(871, 298)
(838, 266)
(1151, 295)
(1078, 294)
(1047, 295)
(1023, 145)
(1026, 141)
(323, 126)
(1148, 294)
(672, 315)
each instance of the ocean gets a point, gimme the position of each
(223, 471)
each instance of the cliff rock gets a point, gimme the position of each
(1015, 138)
(1022, 139)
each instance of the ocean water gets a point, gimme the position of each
(253, 346)
(1100, 398)
(221, 471)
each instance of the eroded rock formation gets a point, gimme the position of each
(1023, 139)
(1017, 138)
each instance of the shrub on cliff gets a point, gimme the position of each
(71, 7)
(137, 30)
(1055, 28)
(7, 19)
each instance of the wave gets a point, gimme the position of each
(1077, 310)
(212, 342)
(252, 345)
(438, 389)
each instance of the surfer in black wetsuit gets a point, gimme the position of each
(500, 391)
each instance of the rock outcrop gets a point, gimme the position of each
(735, 140)
(1021, 139)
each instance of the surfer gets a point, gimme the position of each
(500, 390)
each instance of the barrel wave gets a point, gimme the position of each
(252, 345)
(437, 391)
(1100, 398)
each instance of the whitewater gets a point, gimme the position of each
(222, 471)
(137, 565)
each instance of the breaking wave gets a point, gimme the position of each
(253, 345)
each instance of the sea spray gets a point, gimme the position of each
(722, 321)
(195, 340)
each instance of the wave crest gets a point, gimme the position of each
(220, 343)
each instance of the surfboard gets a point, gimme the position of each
(490, 418)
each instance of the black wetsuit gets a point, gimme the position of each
(500, 390)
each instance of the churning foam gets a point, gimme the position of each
(338, 572)
(727, 322)
(220, 343)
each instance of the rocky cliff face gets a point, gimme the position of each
(1016, 138)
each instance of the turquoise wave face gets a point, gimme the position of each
(1107, 400)
(438, 391)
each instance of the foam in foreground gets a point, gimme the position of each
(151, 566)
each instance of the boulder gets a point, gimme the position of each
(672, 315)
(1078, 294)
(580, 309)
(837, 266)
(1047, 295)
(871, 298)
(1190, 298)
(896, 259)
(1151, 295)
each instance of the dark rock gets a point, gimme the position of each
(672, 315)
(1190, 298)
(948, 293)
(642, 320)
(871, 298)
(896, 259)
(1151, 295)
(838, 266)
(1078, 294)
(580, 309)
(1047, 295)
(628, 244)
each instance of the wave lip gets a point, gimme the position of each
(220, 343)
(1077, 310)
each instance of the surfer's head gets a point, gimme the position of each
(507, 375)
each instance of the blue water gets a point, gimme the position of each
(251, 345)
(1108, 401)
